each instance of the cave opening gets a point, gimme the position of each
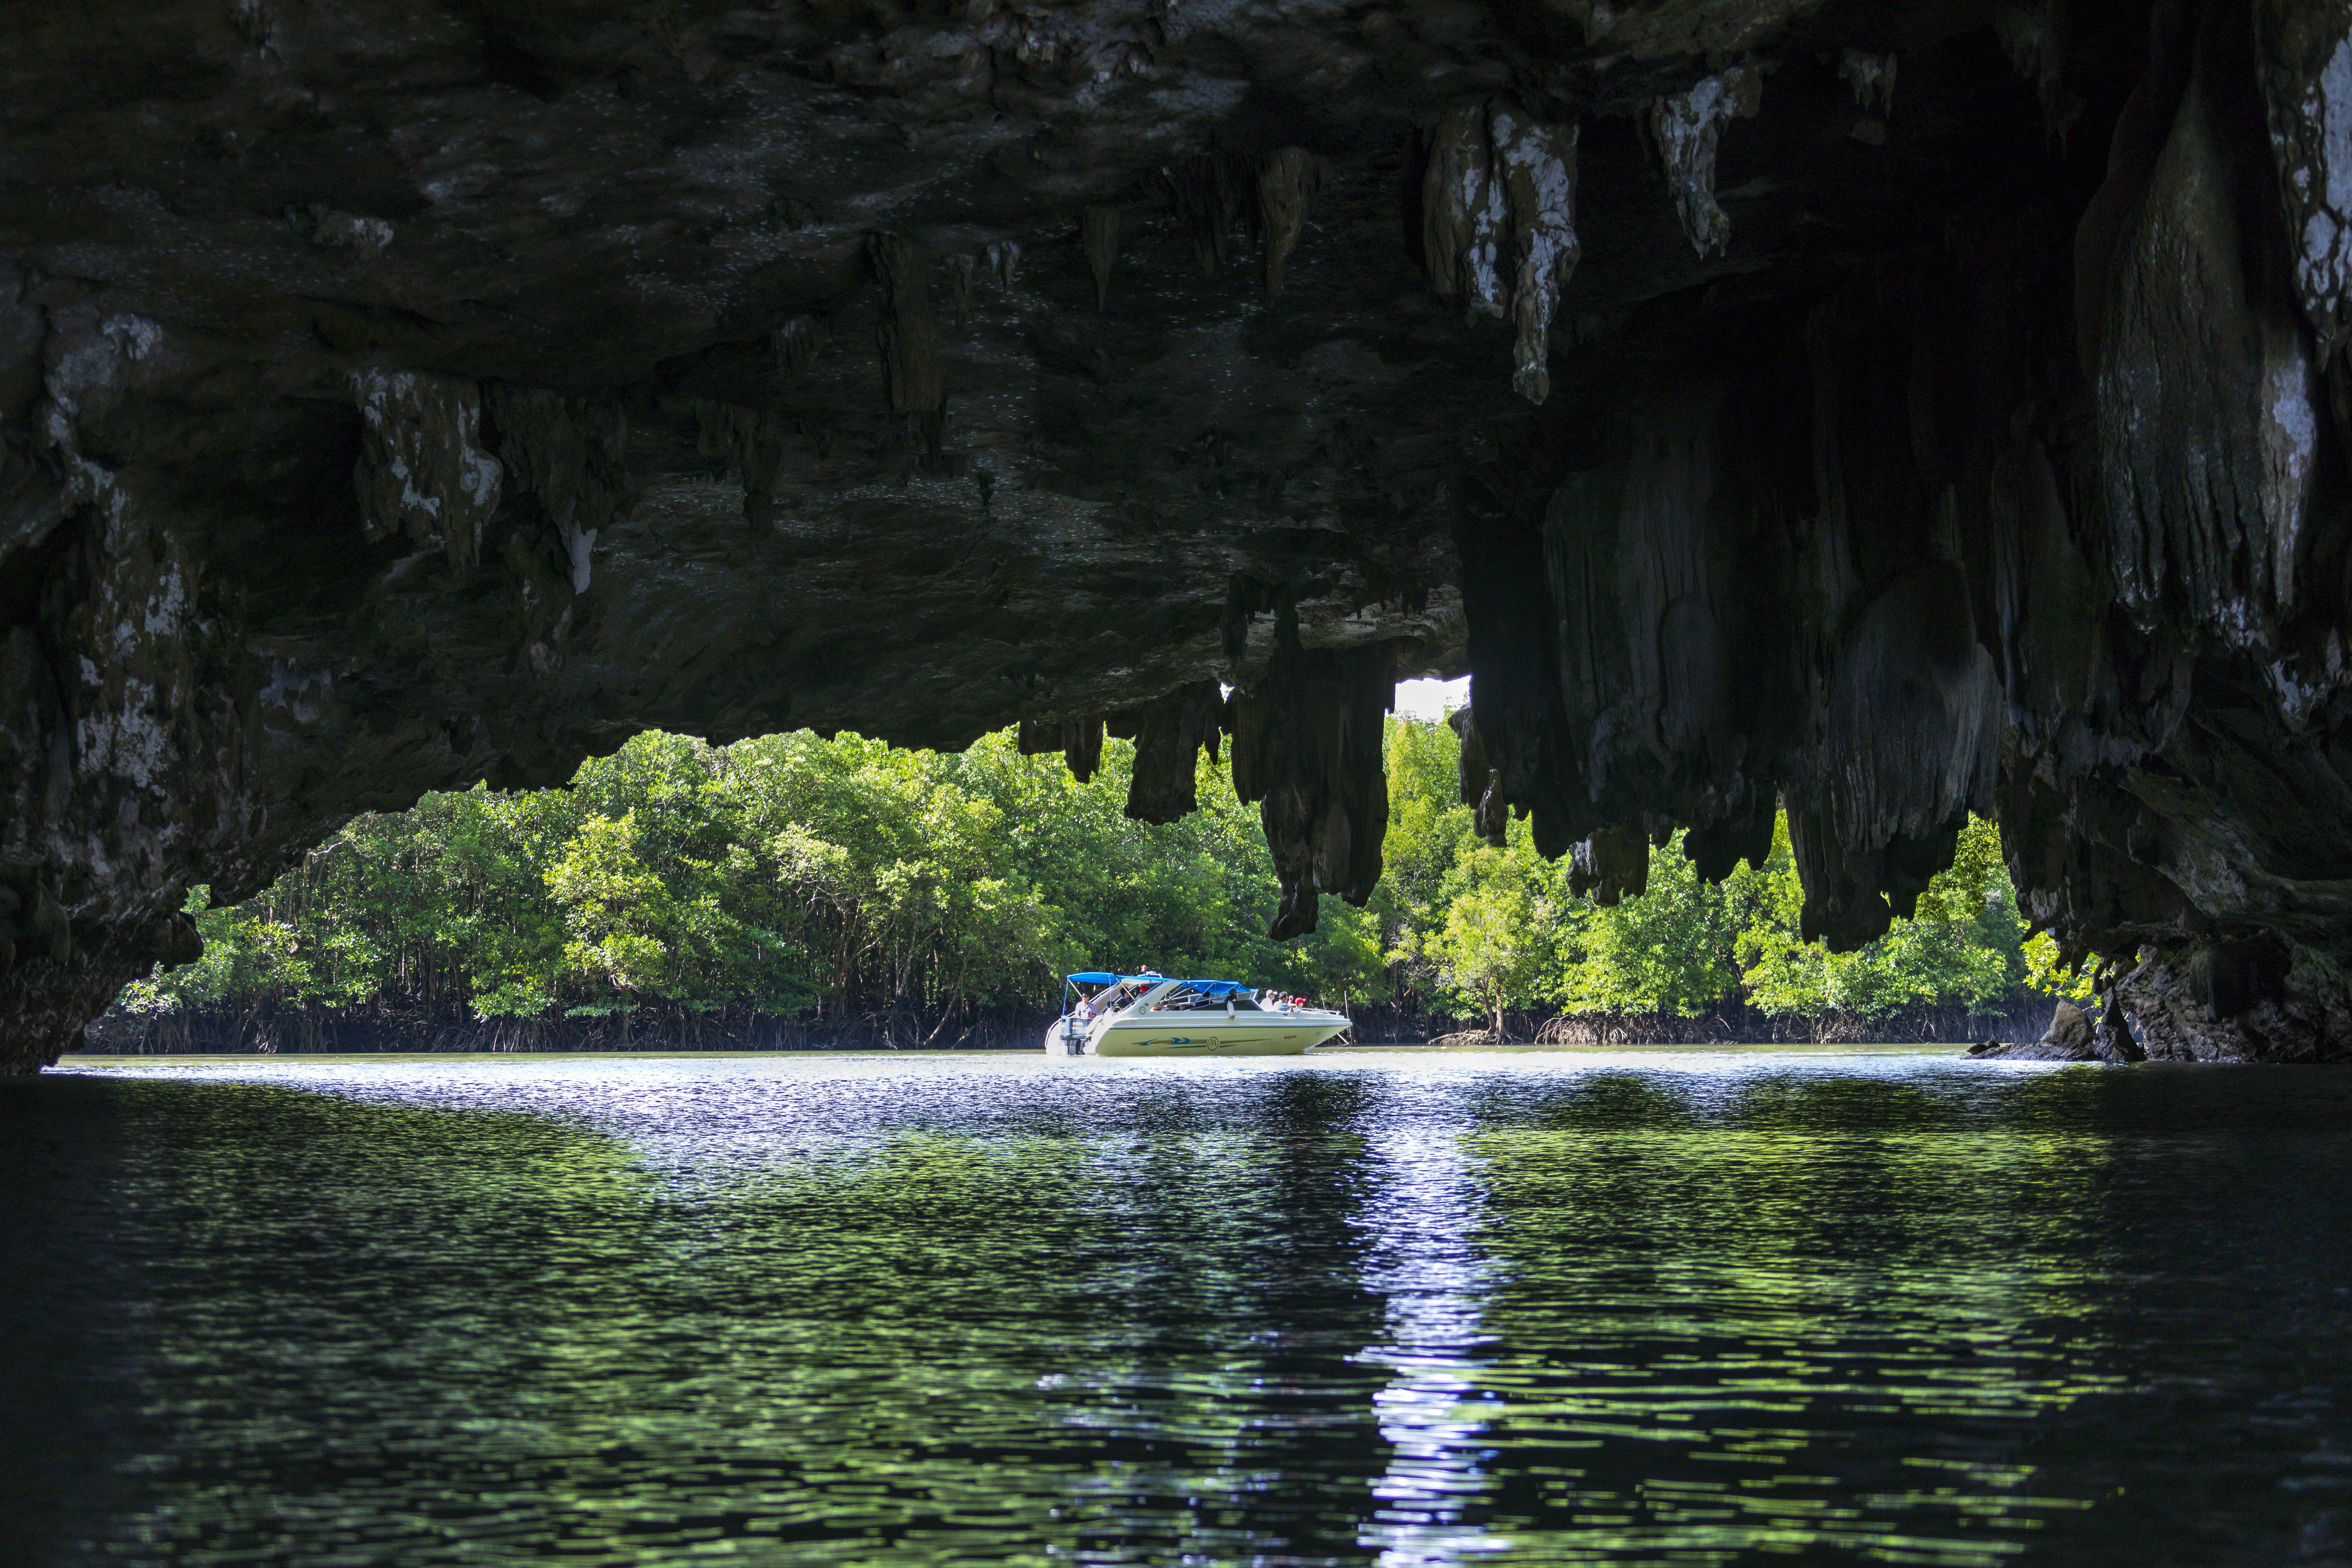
(1905, 416)
(1881, 448)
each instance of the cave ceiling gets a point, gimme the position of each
(1886, 410)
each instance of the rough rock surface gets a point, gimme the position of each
(393, 396)
(2073, 1036)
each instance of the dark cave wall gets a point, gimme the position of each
(1894, 412)
(2070, 556)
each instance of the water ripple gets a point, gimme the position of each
(1693, 1308)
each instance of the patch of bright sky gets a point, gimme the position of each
(1429, 700)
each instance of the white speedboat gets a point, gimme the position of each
(1151, 1015)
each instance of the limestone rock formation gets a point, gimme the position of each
(2070, 1033)
(1498, 224)
(395, 397)
(1306, 750)
(1688, 125)
(2073, 1036)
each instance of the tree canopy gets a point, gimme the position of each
(844, 879)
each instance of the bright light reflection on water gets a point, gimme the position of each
(1405, 1309)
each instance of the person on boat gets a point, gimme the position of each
(1106, 1000)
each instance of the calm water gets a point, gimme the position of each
(1704, 1308)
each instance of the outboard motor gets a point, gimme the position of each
(1066, 1037)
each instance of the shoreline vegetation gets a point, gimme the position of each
(795, 892)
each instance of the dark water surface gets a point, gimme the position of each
(1702, 1307)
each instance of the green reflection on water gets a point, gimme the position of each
(1785, 1324)
(805, 1314)
(472, 1332)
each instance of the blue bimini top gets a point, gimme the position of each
(1206, 987)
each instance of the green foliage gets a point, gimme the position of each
(1965, 943)
(789, 874)
(1477, 931)
(843, 878)
(1669, 950)
(1491, 952)
(2046, 973)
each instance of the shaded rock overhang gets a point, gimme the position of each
(1891, 410)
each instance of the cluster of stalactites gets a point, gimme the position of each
(1499, 223)
(1855, 884)
(997, 263)
(1169, 733)
(568, 455)
(1210, 195)
(1078, 740)
(422, 471)
(1217, 194)
(1306, 750)
(1746, 601)
(1610, 863)
(441, 456)
(1212, 192)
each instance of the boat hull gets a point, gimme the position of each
(1283, 1035)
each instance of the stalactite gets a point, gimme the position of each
(751, 440)
(1463, 212)
(1080, 742)
(1611, 865)
(1286, 180)
(1099, 236)
(1000, 260)
(964, 270)
(2301, 54)
(1082, 745)
(1308, 747)
(909, 336)
(1246, 598)
(1872, 76)
(1539, 167)
(572, 456)
(1716, 848)
(2171, 284)
(1481, 786)
(1686, 126)
(1209, 196)
(2033, 34)
(796, 343)
(1169, 733)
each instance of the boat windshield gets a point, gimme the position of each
(1120, 994)
(1184, 995)
(1155, 994)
